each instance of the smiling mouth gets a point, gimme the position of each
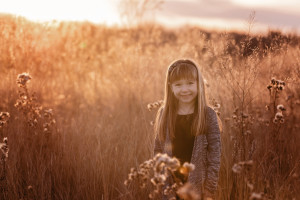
(185, 95)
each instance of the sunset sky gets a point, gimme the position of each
(222, 14)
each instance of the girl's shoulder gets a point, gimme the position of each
(210, 111)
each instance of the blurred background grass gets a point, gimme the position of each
(99, 80)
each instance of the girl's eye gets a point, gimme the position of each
(177, 84)
(191, 83)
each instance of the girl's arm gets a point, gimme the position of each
(213, 152)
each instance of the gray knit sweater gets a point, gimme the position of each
(205, 156)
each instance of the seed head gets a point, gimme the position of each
(244, 115)
(237, 168)
(23, 79)
(280, 87)
(154, 105)
(273, 80)
(255, 196)
(278, 115)
(280, 107)
(189, 166)
(5, 140)
(248, 132)
(269, 87)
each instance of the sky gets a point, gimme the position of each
(219, 14)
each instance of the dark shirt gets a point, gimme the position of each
(183, 143)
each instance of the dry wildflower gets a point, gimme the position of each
(157, 171)
(35, 116)
(216, 106)
(275, 121)
(23, 79)
(280, 107)
(278, 115)
(189, 166)
(237, 168)
(273, 81)
(249, 162)
(4, 149)
(248, 132)
(151, 196)
(48, 113)
(277, 85)
(4, 118)
(244, 115)
(4, 156)
(255, 196)
(155, 105)
(163, 160)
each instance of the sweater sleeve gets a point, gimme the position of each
(213, 151)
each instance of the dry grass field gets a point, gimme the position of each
(81, 123)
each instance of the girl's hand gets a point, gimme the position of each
(208, 198)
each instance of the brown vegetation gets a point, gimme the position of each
(95, 82)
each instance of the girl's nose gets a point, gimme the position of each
(184, 88)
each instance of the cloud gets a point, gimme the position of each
(227, 10)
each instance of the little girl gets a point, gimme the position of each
(187, 128)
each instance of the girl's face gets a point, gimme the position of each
(185, 90)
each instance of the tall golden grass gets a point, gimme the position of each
(99, 80)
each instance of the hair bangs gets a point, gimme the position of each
(183, 71)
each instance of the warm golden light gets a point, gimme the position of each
(223, 14)
(100, 11)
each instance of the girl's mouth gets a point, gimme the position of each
(185, 95)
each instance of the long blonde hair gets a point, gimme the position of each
(166, 115)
